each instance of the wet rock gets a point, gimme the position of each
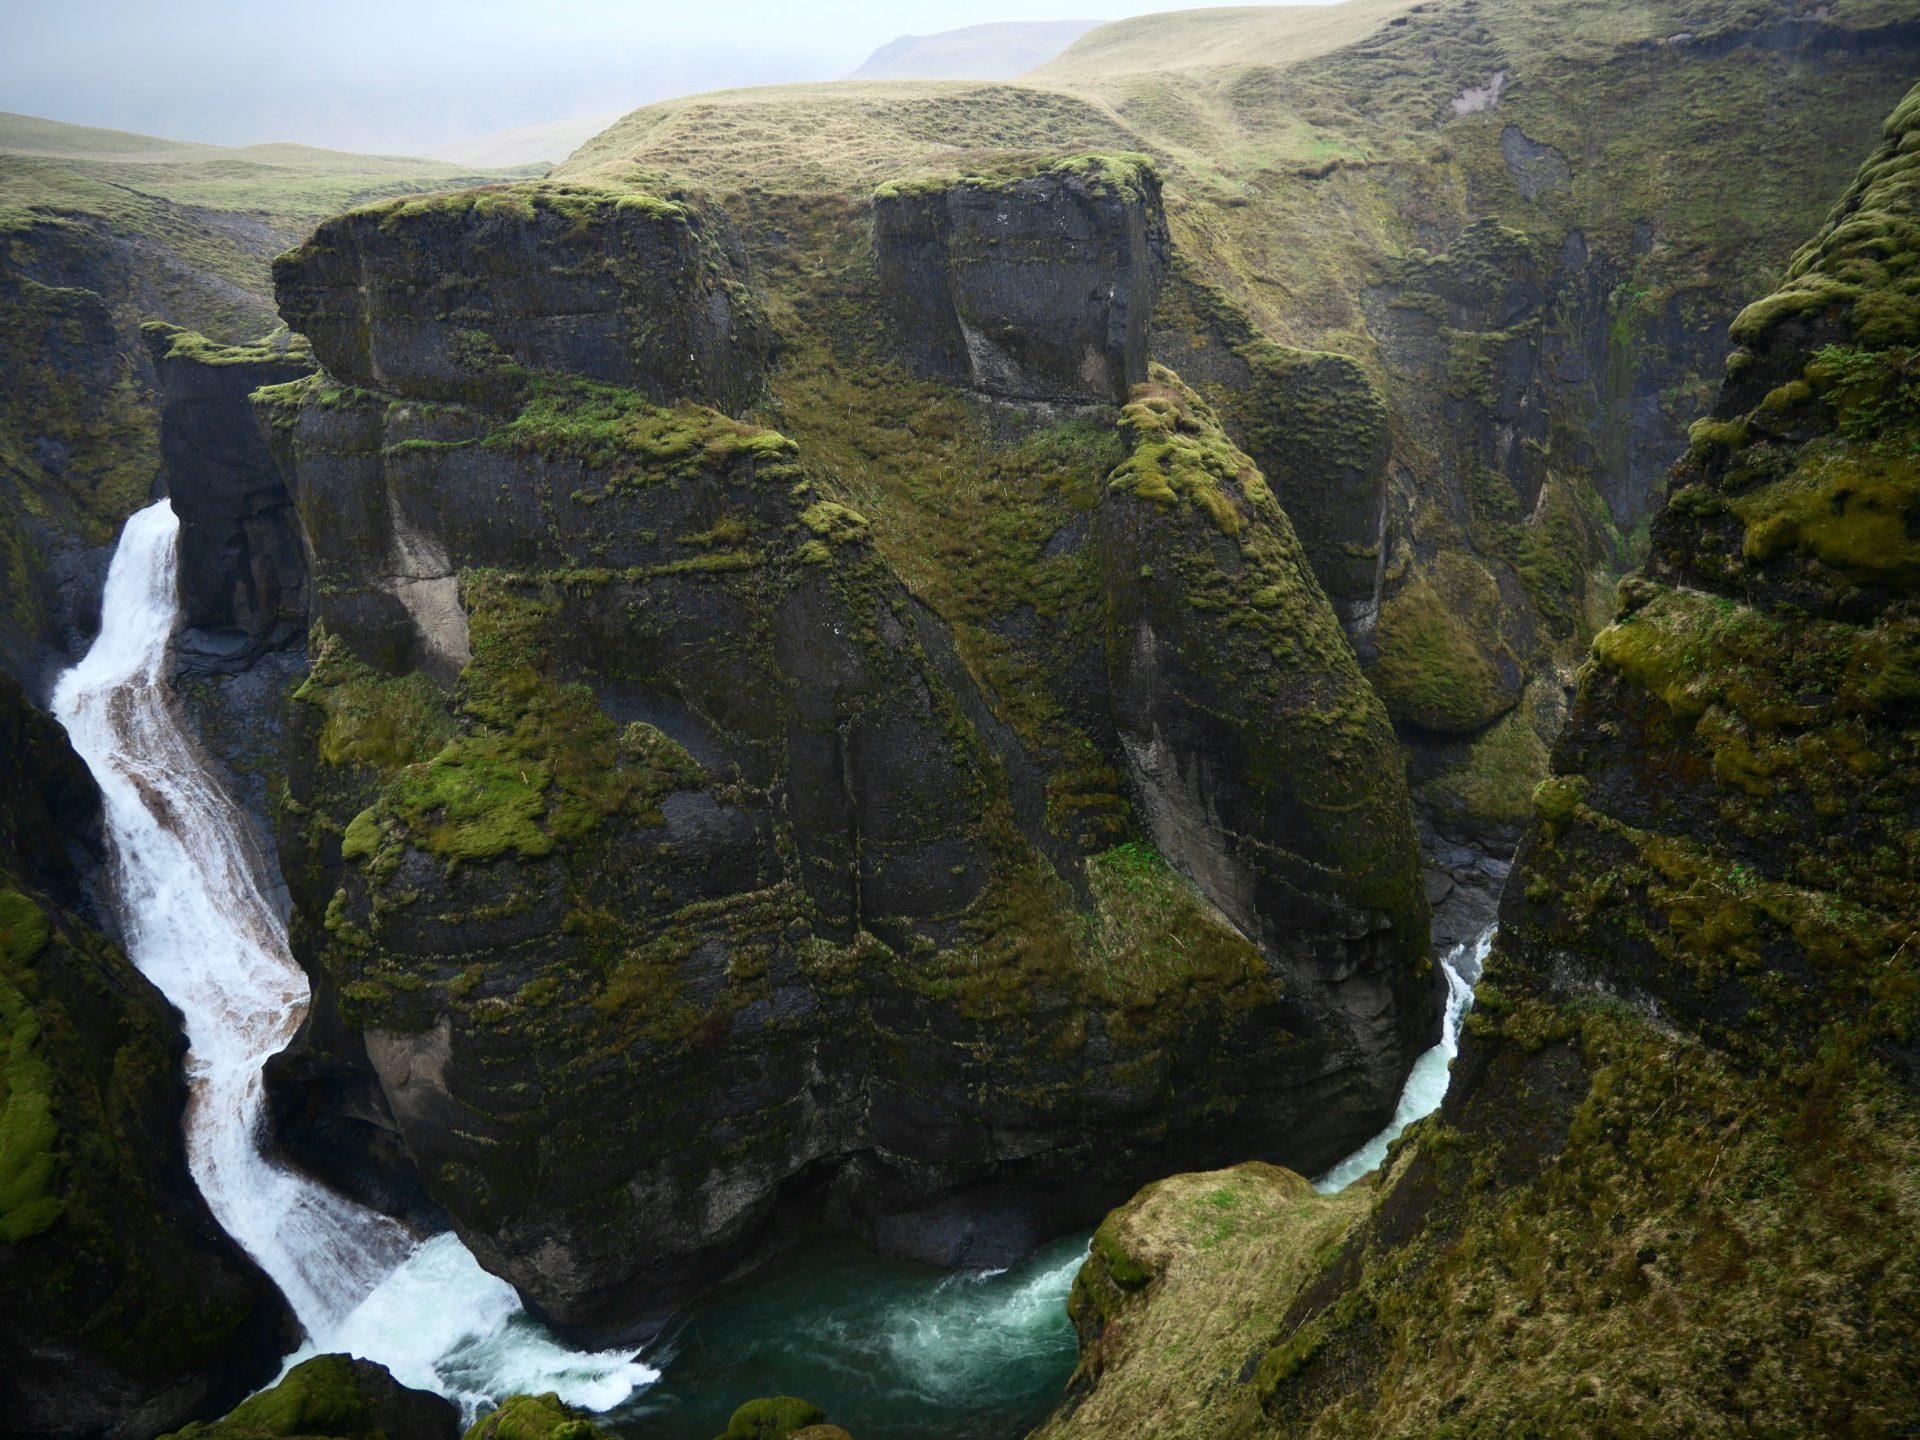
(1040, 288)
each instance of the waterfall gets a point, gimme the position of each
(197, 923)
(1426, 1084)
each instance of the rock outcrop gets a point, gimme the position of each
(340, 1397)
(243, 567)
(667, 879)
(455, 298)
(129, 1310)
(1032, 288)
(1678, 1152)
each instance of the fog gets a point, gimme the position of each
(409, 76)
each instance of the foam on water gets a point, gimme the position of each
(196, 921)
(1426, 1084)
(885, 1346)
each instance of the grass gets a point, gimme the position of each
(1185, 1281)
(1230, 37)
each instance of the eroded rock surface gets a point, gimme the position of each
(673, 882)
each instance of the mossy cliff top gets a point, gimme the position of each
(458, 297)
(1128, 177)
(1682, 1140)
(176, 343)
(1034, 285)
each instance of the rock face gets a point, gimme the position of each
(1689, 1099)
(1036, 288)
(1313, 422)
(337, 1397)
(243, 569)
(667, 880)
(452, 298)
(129, 1310)
(1213, 650)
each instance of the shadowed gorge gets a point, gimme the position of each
(846, 766)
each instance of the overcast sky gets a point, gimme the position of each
(409, 75)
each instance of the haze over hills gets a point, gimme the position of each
(973, 52)
(549, 143)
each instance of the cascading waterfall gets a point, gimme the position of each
(197, 923)
(1426, 1083)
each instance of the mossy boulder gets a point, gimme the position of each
(1032, 287)
(774, 1418)
(336, 1397)
(535, 1417)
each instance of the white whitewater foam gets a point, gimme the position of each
(1426, 1084)
(197, 923)
(973, 1323)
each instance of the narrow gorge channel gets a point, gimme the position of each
(892, 1346)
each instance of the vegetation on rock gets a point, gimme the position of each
(1671, 1189)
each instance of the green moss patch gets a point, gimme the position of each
(1435, 635)
(29, 1134)
(535, 1417)
(774, 1418)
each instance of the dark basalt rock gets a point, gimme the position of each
(458, 297)
(1035, 289)
(1312, 421)
(668, 888)
(242, 566)
(129, 1310)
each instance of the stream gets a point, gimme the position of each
(887, 1347)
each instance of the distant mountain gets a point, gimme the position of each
(549, 143)
(974, 52)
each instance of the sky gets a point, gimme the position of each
(408, 76)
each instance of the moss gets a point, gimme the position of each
(774, 1418)
(1495, 784)
(1434, 666)
(29, 1135)
(1122, 1268)
(318, 1397)
(1856, 513)
(1557, 799)
(834, 523)
(525, 763)
(631, 439)
(535, 1417)
(380, 721)
(1181, 456)
(172, 342)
